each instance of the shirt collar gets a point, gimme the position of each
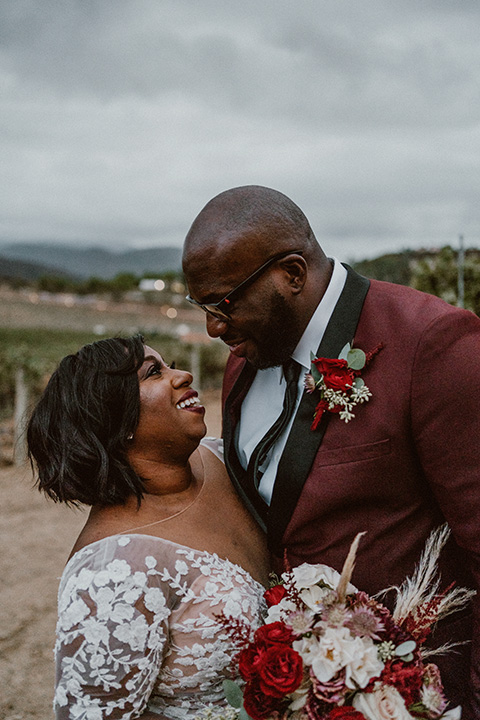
(315, 329)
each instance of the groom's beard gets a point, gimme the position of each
(275, 335)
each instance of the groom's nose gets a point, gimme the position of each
(215, 326)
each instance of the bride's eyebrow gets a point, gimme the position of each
(148, 362)
(154, 359)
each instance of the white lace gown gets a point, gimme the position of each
(137, 629)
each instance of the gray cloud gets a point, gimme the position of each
(121, 118)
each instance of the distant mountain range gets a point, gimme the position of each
(32, 260)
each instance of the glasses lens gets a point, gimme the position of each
(216, 312)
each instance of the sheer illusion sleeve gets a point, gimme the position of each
(112, 631)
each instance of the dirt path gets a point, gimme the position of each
(36, 537)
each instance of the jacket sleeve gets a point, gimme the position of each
(445, 402)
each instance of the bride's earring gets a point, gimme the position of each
(130, 436)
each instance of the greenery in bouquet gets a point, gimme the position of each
(328, 651)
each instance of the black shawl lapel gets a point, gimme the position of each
(303, 443)
(231, 415)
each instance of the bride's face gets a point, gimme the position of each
(171, 416)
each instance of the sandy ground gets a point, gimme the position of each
(36, 537)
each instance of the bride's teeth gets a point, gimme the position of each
(188, 403)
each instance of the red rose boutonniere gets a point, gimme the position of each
(339, 383)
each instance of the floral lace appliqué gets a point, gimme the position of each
(137, 629)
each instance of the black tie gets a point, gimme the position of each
(292, 371)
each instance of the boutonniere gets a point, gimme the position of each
(339, 383)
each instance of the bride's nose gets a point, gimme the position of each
(181, 377)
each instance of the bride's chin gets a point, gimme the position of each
(195, 436)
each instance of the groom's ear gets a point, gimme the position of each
(294, 269)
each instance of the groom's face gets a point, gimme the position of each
(262, 325)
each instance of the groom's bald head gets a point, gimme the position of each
(234, 235)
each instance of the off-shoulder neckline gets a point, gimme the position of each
(164, 540)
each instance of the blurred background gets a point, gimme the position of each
(120, 119)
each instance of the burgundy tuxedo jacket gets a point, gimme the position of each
(406, 463)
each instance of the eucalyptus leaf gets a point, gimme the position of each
(405, 648)
(313, 370)
(344, 352)
(243, 715)
(317, 376)
(358, 383)
(233, 693)
(356, 359)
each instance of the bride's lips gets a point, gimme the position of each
(189, 401)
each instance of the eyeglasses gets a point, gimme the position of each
(221, 308)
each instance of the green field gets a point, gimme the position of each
(36, 337)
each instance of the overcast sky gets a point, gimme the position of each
(120, 119)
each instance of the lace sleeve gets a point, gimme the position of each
(215, 445)
(111, 633)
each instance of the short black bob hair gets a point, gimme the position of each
(78, 433)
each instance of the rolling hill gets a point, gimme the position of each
(86, 262)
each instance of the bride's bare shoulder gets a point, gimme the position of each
(102, 522)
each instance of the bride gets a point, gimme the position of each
(167, 548)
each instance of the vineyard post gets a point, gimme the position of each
(19, 417)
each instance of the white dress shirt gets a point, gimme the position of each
(264, 400)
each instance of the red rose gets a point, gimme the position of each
(325, 366)
(248, 661)
(336, 373)
(339, 380)
(276, 633)
(346, 712)
(258, 705)
(274, 594)
(281, 671)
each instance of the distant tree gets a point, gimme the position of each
(122, 283)
(93, 286)
(394, 267)
(438, 274)
(54, 284)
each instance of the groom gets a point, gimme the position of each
(408, 460)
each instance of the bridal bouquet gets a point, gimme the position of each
(328, 651)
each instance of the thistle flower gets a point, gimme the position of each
(363, 622)
(310, 384)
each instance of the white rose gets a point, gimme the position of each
(307, 648)
(306, 575)
(384, 703)
(281, 611)
(364, 664)
(334, 651)
(314, 597)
